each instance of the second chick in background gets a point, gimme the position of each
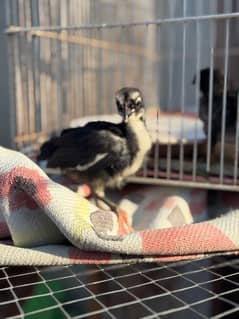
(217, 106)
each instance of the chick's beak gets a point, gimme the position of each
(128, 111)
(125, 116)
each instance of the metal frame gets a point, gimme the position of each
(16, 29)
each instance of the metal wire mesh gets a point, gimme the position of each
(197, 289)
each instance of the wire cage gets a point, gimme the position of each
(65, 65)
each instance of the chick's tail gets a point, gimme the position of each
(47, 149)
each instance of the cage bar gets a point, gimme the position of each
(224, 101)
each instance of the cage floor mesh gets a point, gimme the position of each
(207, 288)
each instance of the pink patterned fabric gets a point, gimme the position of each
(48, 224)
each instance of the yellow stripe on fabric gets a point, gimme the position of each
(81, 215)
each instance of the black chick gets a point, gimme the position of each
(102, 154)
(217, 105)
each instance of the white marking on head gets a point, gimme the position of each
(138, 99)
(135, 95)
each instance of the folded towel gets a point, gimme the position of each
(48, 224)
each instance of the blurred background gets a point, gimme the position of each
(61, 61)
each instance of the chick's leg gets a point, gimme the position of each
(102, 201)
